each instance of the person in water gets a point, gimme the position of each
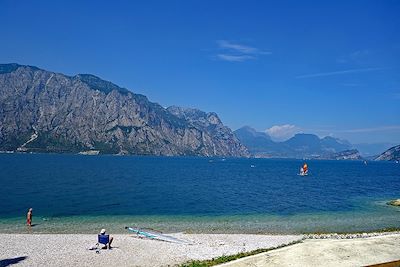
(103, 232)
(29, 217)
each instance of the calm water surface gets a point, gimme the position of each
(72, 193)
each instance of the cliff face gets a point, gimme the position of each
(51, 112)
(392, 154)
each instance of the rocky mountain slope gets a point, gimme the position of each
(392, 154)
(43, 111)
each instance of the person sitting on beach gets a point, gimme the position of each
(29, 217)
(103, 233)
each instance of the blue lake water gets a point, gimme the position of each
(73, 193)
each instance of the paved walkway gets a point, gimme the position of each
(328, 252)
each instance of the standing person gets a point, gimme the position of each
(29, 217)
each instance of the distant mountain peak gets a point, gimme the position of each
(247, 128)
(10, 67)
(303, 137)
(341, 141)
(251, 131)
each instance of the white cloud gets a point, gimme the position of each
(322, 74)
(234, 58)
(237, 47)
(234, 52)
(282, 132)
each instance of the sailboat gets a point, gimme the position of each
(304, 170)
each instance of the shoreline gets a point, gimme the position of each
(384, 219)
(93, 153)
(190, 227)
(306, 235)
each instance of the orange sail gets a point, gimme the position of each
(305, 168)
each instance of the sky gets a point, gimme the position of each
(323, 67)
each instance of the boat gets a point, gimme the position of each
(304, 170)
(152, 234)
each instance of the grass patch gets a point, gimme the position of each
(381, 230)
(227, 258)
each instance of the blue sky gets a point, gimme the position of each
(325, 67)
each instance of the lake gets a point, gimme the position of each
(76, 193)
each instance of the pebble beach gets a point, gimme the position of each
(128, 250)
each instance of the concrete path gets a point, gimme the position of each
(329, 252)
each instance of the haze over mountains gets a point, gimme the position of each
(260, 144)
(302, 145)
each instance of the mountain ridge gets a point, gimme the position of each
(301, 145)
(84, 112)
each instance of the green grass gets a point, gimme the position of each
(227, 258)
(380, 230)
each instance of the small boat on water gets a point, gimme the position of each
(304, 170)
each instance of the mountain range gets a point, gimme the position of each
(44, 111)
(302, 145)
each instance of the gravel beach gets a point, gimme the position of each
(128, 250)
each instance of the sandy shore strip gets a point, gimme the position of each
(329, 252)
(72, 250)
